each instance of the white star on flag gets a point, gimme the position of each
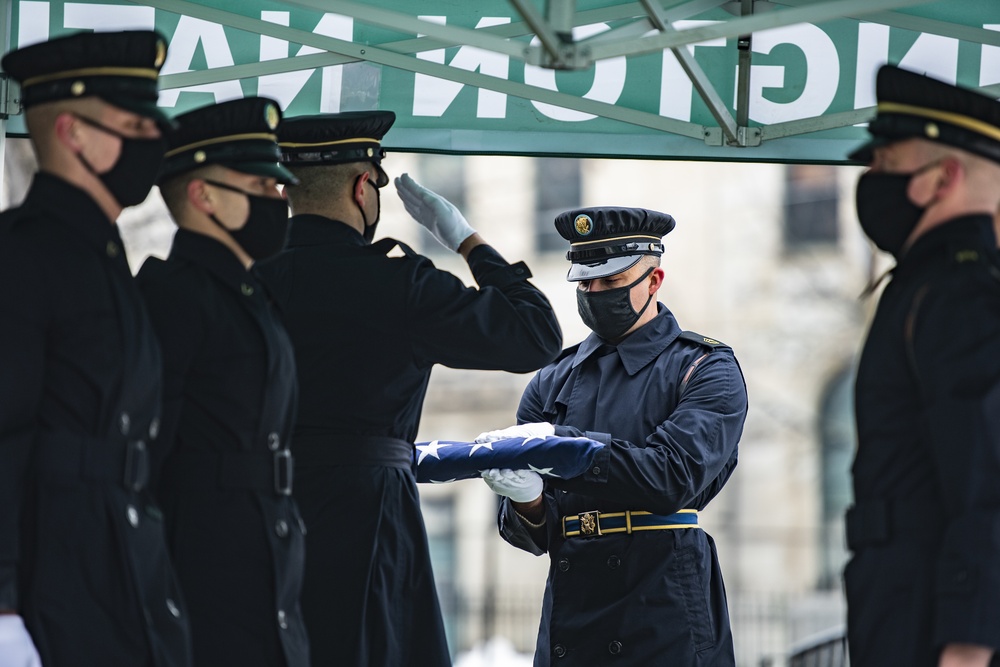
(481, 445)
(431, 449)
(543, 471)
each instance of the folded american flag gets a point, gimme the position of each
(441, 461)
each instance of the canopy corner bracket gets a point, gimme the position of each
(10, 97)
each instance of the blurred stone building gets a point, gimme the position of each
(767, 258)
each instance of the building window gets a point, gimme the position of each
(558, 189)
(445, 175)
(810, 205)
(838, 442)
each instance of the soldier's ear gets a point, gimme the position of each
(656, 281)
(200, 196)
(358, 193)
(67, 131)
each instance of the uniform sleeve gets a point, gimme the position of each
(686, 459)
(22, 358)
(957, 355)
(507, 324)
(180, 327)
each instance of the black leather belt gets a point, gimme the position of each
(62, 456)
(346, 449)
(263, 472)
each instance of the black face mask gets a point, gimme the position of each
(886, 214)
(133, 175)
(609, 313)
(266, 230)
(369, 231)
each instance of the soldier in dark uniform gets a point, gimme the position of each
(633, 579)
(923, 585)
(367, 329)
(229, 389)
(80, 386)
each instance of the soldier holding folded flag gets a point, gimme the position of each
(633, 578)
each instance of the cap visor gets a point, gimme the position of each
(608, 267)
(143, 108)
(864, 152)
(272, 169)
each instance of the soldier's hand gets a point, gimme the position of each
(521, 486)
(16, 647)
(434, 212)
(534, 430)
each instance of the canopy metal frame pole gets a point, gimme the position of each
(557, 50)
(381, 56)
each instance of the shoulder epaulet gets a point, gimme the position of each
(568, 352)
(698, 339)
(386, 245)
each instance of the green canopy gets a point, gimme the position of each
(671, 79)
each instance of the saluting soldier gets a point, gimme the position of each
(633, 579)
(367, 329)
(229, 389)
(923, 583)
(80, 381)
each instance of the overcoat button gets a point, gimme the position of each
(111, 249)
(282, 620)
(596, 470)
(281, 528)
(615, 647)
(133, 516)
(614, 562)
(563, 565)
(154, 428)
(124, 421)
(273, 441)
(172, 608)
(559, 650)
(302, 525)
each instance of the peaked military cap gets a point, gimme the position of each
(607, 240)
(912, 105)
(239, 134)
(336, 138)
(120, 68)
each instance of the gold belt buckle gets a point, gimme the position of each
(590, 523)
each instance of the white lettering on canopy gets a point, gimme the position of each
(32, 22)
(609, 79)
(191, 32)
(989, 67)
(432, 96)
(676, 90)
(822, 74)
(286, 86)
(108, 17)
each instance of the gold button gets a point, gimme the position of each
(112, 249)
(247, 289)
(77, 88)
(199, 156)
(932, 130)
(371, 152)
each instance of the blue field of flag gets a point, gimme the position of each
(551, 456)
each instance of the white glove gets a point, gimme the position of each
(434, 212)
(521, 486)
(16, 647)
(535, 430)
